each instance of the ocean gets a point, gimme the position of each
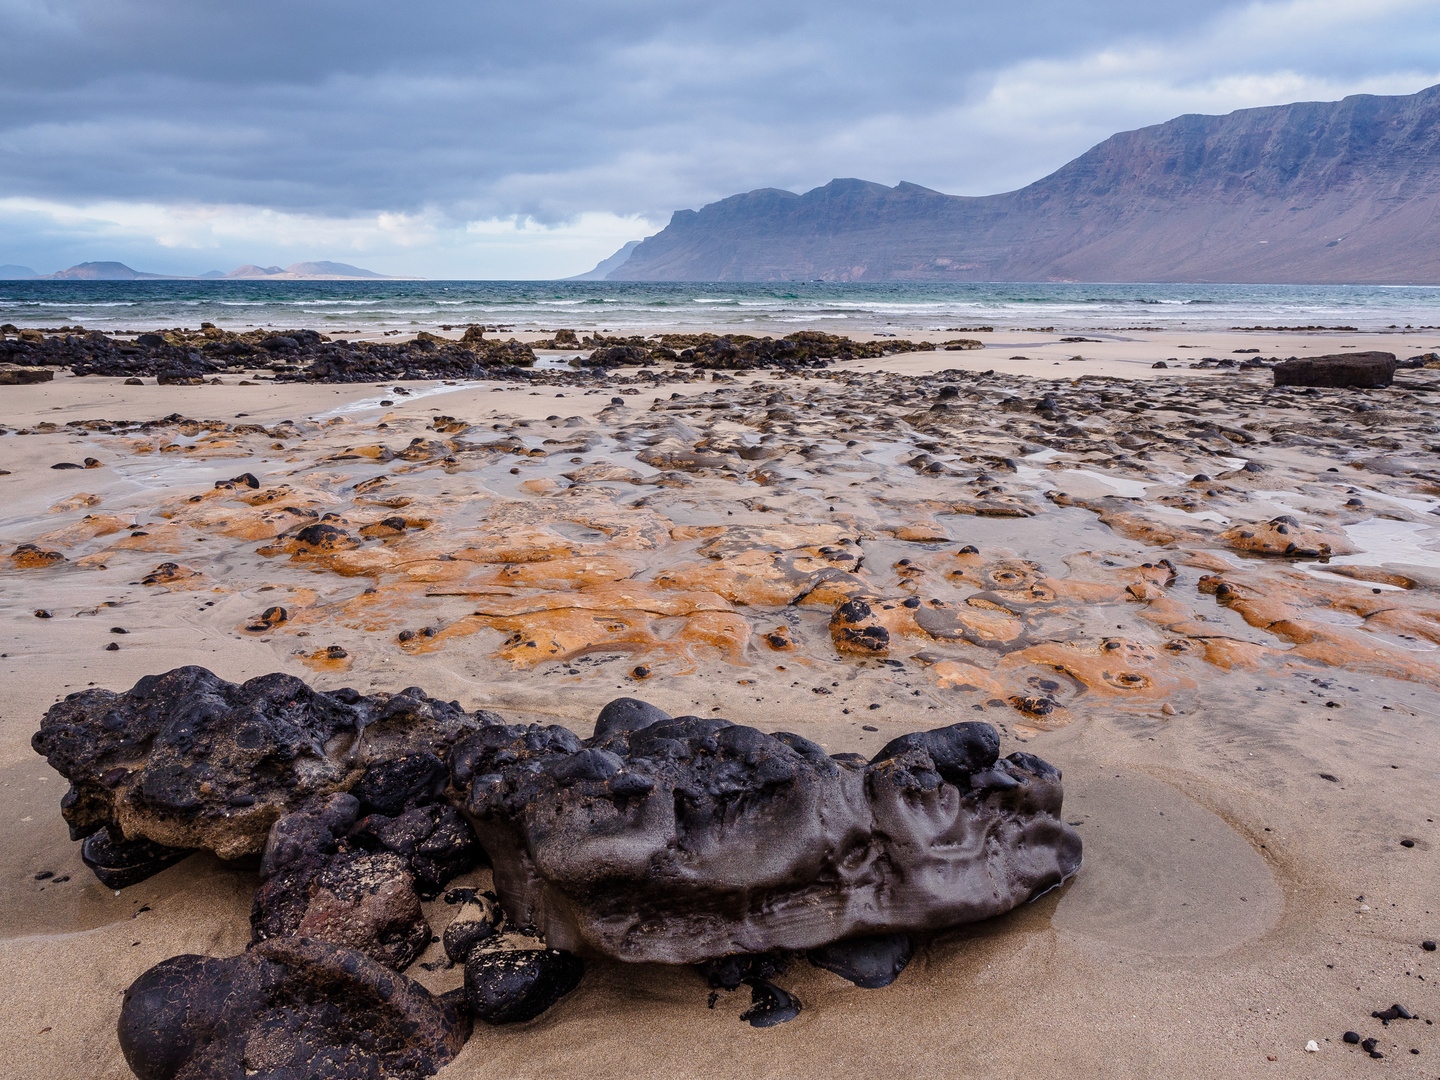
(645, 307)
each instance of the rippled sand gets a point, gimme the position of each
(1211, 603)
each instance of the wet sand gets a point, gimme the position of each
(1246, 736)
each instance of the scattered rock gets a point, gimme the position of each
(1363, 369)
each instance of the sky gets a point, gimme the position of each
(476, 139)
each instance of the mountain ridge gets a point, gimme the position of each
(1310, 192)
(300, 271)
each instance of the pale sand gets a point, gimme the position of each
(1216, 922)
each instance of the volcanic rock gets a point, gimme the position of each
(368, 902)
(692, 838)
(189, 760)
(509, 986)
(868, 962)
(1365, 369)
(287, 1008)
(119, 865)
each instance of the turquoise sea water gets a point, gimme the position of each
(637, 307)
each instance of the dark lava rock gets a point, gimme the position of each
(733, 971)
(1394, 1012)
(389, 786)
(769, 1005)
(617, 356)
(189, 760)
(435, 840)
(368, 902)
(682, 840)
(627, 714)
(1352, 1037)
(285, 1010)
(25, 376)
(1428, 946)
(509, 986)
(473, 923)
(868, 962)
(1364, 369)
(122, 864)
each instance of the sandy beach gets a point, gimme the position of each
(1243, 711)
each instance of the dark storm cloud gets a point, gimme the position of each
(449, 138)
(489, 109)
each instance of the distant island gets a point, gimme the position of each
(117, 271)
(1343, 192)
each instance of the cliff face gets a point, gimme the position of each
(1345, 191)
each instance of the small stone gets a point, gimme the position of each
(118, 630)
(119, 865)
(1428, 946)
(514, 985)
(1351, 1037)
(1407, 843)
(1312, 1047)
(868, 962)
(41, 613)
(769, 1005)
(1167, 709)
(113, 647)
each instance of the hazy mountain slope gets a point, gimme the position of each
(100, 271)
(1310, 192)
(605, 267)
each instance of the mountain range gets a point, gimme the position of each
(117, 271)
(1313, 192)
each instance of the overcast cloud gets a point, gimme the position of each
(479, 139)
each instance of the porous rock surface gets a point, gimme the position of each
(680, 840)
(188, 760)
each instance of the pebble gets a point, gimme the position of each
(41, 613)
(770, 1005)
(1427, 945)
(1312, 1047)
(113, 647)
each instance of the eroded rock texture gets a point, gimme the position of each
(688, 839)
(188, 760)
(286, 1009)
